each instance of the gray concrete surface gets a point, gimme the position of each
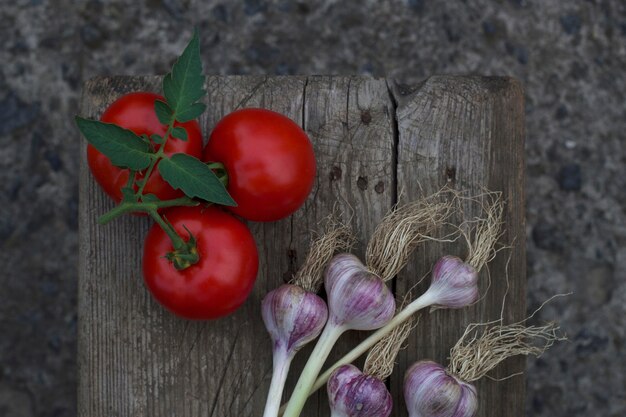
(570, 55)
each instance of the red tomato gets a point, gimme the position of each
(222, 279)
(135, 111)
(269, 160)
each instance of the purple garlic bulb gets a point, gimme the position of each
(454, 283)
(357, 298)
(354, 394)
(293, 317)
(468, 405)
(429, 391)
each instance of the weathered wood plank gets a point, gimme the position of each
(467, 132)
(135, 359)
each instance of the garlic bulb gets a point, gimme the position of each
(454, 283)
(429, 391)
(354, 394)
(293, 317)
(357, 298)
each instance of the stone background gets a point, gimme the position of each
(570, 55)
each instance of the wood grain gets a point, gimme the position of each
(135, 359)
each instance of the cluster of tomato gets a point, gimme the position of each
(271, 167)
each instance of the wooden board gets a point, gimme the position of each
(372, 138)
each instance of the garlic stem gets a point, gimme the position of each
(425, 300)
(312, 368)
(282, 362)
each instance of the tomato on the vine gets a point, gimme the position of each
(135, 111)
(269, 160)
(222, 279)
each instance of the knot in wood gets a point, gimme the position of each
(366, 117)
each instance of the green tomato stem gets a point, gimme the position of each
(127, 207)
(185, 253)
(177, 242)
(119, 210)
(153, 163)
(312, 368)
(157, 157)
(182, 201)
(282, 362)
(131, 178)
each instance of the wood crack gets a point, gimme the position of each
(394, 172)
(247, 98)
(220, 384)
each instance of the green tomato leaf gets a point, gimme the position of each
(195, 178)
(128, 194)
(163, 112)
(123, 147)
(158, 139)
(179, 133)
(183, 86)
(192, 112)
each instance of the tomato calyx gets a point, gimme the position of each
(186, 255)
